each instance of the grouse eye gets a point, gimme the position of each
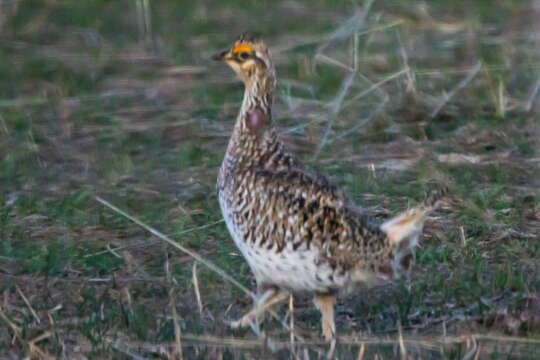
(243, 55)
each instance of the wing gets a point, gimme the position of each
(307, 210)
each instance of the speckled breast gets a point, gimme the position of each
(257, 229)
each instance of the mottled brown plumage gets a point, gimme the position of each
(297, 231)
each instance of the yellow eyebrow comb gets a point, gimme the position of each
(241, 48)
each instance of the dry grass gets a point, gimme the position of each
(118, 100)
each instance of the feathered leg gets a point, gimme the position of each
(267, 299)
(325, 304)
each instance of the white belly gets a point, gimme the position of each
(295, 270)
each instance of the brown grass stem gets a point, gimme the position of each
(334, 111)
(196, 288)
(532, 95)
(185, 250)
(462, 84)
(32, 311)
(176, 319)
(202, 227)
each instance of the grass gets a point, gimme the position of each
(92, 104)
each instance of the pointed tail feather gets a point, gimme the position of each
(406, 225)
(404, 230)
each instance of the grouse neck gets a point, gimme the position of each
(255, 116)
(258, 95)
(253, 135)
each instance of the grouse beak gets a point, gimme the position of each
(221, 56)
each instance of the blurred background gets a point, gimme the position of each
(121, 100)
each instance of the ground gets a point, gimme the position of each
(120, 100)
